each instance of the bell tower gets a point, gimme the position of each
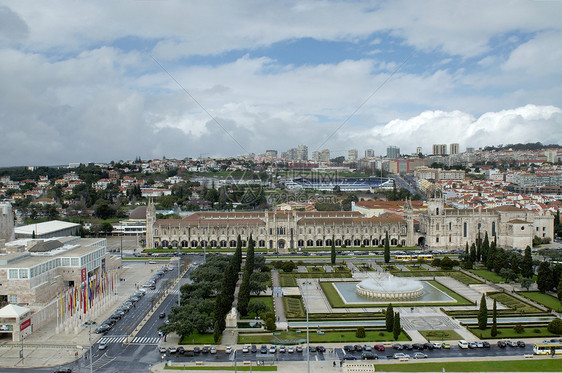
(150, 219)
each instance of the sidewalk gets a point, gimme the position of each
(44, 348)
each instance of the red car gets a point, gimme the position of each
(379, 347)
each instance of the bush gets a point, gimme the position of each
(555, 326)
(519, 328)
(270, 324)
(536, 330)
(360, 332)
(381, 334)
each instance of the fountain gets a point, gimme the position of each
(390, 288)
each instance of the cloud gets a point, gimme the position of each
(492, 128)
(541, 56)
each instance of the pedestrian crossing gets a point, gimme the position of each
(136, 340)
(146, 340)
(113, 339)
(175, 291)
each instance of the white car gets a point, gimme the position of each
(162, 349)
(420, 355)
(479, 344)
(228, 350)
(272, 349)
(463, 344)
(245, 349)
(213, 350)
(102, 346)
(172, 350)
(290, 349)
(437, 345)
(401, 355)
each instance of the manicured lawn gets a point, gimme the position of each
(514, 303)
(529, 332)
(288, 279)
(315, 269)
(293, 307)
(268, 301)
(544, 299)
(440, 335)
(412, 267)
(459, 276)
(339, 336)
(196, 338)
(240, 368)
(533, 365)
(488, 275)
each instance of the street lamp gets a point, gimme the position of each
(89, 324)
(179, 262)
(307, 329)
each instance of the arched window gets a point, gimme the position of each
(165, 243)
(394, 242)
(365, 242)
(309, 243)
(357, 242)
(347, 242)
(300, 243)
(318, 243)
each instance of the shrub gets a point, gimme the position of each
(519, 328)
(360, 332)
(536, 330)
(381, 334)
(270, 324)
(555, 326)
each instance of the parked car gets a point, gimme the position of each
(172, 350)
(428, 346)
(358, 348)
(420, 355)
(349, 357)
(397, 346)
(196, 350)
(463, 344)
(299, 349)
(228, 350)
(472, 345)
(379, 347)
(290, 349)
(282, 349)
(367, 348)
(417, 346)
(245, 349)
(254, 349)
(437, 345)
(486, 344)
(348, 348)
(63, 370)
(205, 349)
(520, 344)
(181, 350)
(272, 349)
(479, 344)
(213, 350)
(312, 348)
(263, 349)
(400, 355)
(102, 346)
(512, 343)
(446, 346)
(369, 356)
(162, 349)
(407, 346)
(502, 344)
(321, 349)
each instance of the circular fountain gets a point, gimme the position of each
(390, 288)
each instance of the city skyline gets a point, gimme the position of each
(95, 82)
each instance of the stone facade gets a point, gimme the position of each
(6, 221)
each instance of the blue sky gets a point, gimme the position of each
(81, 81)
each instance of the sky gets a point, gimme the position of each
(96, 81)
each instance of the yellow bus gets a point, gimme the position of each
(403, 258)
(427, 257)
(548, 348)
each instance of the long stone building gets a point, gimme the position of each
(435, 226)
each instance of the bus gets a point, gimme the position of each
(403, 258)
(548, 348)
(427, 257)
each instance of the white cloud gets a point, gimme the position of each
(540, 56)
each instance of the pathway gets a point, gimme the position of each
(278, 305)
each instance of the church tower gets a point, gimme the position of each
(150, 219)
(409, 214)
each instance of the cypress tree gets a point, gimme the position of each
(527, 264)
(396, 329)
(559, 290)
(483, 313)
(485, 248)
(478, 248)
(544, 277)
(250, 257)
(333, 253)
(386, 249)
(238, 254)
(494, 330)
(389, 318)
(473, 253)
(244, 294)
(491, 256)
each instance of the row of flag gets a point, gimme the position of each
(81, 297)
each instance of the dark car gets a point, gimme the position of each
(196, 350)
(205, 350)
(486, 344)
(66, 370)
(181, 350)
(417, 346)
(407, 346)
(263, 349)
(369, 356)
(348, 348)
(321, 349)
(502, 344)
(397, 346)
(102, 329)
(520, 344)
(162, 315)
(428, 346)
(312, 348)
(358, 348)
(349, 357)
(254, 349)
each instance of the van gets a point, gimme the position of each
(463, 343)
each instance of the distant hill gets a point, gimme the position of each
(528, 146)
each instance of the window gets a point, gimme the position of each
(74, 262)
(24, 273)
(437, 239)
(13, 273)
(450, 225)
(464, 230)
(437, 226)
(12, 298)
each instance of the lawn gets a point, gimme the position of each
(533, 365)
(440, 335)
(288, 279)
(268, 301)
(293, 307)
(198, 339)
(240, 368)
(529, 332)
(514, 303)
(340, 336)
(459, 276)
(544, 299)
(413, 267)
(488, 275)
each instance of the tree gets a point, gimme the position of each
(478, 247)
(386, 249)
(244, 294)
(494, 331)
(238, 254)
(483, 313)
(106, 228)
(396, 329)
(559, 292)
(485, 248)
(270, 324)
(257, 307)
(555, 326)
(473, 253)
(526, 283)
(333, 252)
(389, 318)
(544, 277)
(360, 332)
(250, 256)
(288, 266)
(527, 263)
(491, 256)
